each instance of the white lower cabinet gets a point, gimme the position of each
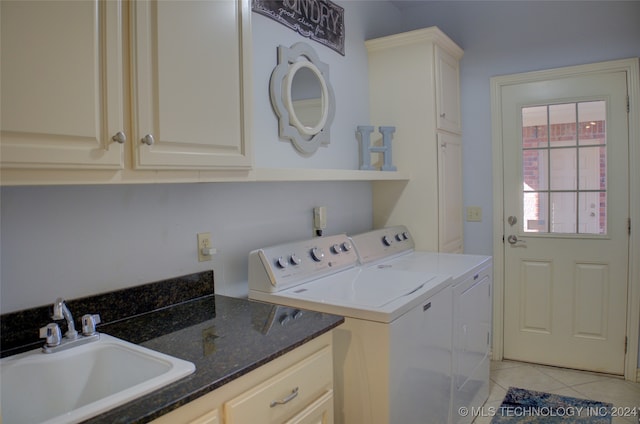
(450, 206)
(211, 417)
(296, 388)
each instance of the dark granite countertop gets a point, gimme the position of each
(224, 337)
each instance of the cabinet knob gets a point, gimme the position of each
(148, 140)
(119, 138)
(442, 115)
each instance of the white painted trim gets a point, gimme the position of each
(632, 67)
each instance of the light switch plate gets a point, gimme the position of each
(474, 214)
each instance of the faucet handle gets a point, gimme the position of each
(51, 332)
(89, 323)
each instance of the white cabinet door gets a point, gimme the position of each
(450, 208)
(447, 92)
(62, 90)
(190, 98)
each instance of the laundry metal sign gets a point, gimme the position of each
(320, 20)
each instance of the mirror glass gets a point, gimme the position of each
(302, 97)
(306, 96)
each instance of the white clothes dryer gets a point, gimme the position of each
(392, 248)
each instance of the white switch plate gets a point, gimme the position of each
(474, 214)
(320, 218)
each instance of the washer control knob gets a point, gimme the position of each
(346, 246)
(282, 262)
(405, 235)
(294, 259)
(399, 237)
(336, 248)
(285, 318)
(386, 240)
(317, 254)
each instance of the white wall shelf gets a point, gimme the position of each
(303, 174)
(25, 177)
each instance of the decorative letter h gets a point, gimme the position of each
(364, 134)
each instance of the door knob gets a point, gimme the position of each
(513, 240)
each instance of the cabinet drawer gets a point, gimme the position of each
(285, 394)
(210, 417)
(319, 412)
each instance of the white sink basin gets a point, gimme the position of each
(75, 384)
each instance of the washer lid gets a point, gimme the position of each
(363, 287)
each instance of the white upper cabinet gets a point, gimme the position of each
(190, 70)
(62, 85)
(447, 91)
(87, 100)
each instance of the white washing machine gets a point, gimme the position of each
(392, 356)
(392, 248)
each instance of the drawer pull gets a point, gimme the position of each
(292, 396)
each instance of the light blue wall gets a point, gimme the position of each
(505, 37)
(79, 240)
(75, 241)
(348, 75)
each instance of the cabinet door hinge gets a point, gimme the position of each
(628, 107)
(626, 342)
(628, 226)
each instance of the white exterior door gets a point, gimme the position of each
(566, 213)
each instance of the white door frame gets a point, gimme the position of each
(632, 67)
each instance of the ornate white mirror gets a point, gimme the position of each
(302, 97)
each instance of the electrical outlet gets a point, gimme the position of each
(205, 249)
(474, 214)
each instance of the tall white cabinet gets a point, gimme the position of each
(415, 86)
(111, 91)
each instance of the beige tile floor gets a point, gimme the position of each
(560, 381)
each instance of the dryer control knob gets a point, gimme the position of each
(405, 235)
(317, 254)
(399, 237)
(294, 259)
(336, 248)
(386, 240)
(346, 246)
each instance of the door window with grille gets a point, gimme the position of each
(564, 166)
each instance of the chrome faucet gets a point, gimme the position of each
(51, 332)
(61, 311)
